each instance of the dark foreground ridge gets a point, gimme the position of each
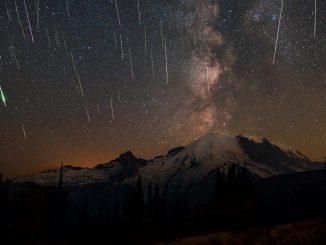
(142, 214)
(191, 191)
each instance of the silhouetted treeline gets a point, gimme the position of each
(32, 214)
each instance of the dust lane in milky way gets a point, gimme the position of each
(82, 81)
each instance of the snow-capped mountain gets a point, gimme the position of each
(185, 166)
(127, 165)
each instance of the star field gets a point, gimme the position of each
(85, 88)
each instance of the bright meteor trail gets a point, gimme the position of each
(3, 97)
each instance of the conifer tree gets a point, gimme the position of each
(139, 194)
(150, 194)
(231, 175)
(60, 183)
(100, 214)
(218, 183)
(116, 212)
(157, 198)
(0, 181)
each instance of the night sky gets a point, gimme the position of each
(80, 88)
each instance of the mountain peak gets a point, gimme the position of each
(127, 155)
(215, 144)
(213, 137)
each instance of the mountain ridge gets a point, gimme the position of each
(186, 164)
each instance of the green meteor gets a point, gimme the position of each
(3, 97)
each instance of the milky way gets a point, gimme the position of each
(86, 80)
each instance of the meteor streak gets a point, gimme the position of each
(21, 25)
(152, 62)
(29, 23)
(57, 37)
(88, 118)
(278, 31)
(73, 61)
(145, 40)
(47, 33)
(315, 21)
(166, 62)
(162, 33)
(119, 96)
(11, 54)
(37, 14)
(3, 97)
(131, 66)
(15, 57)
(121, 47)
(112, 112)
(66, 47)
(80, 85)
(67, 6)
(115, 40)
(19, 20)
(8, 14)
(24, 132)
(138, 12)
(118, 16)
(17, 12)
(207, 77)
